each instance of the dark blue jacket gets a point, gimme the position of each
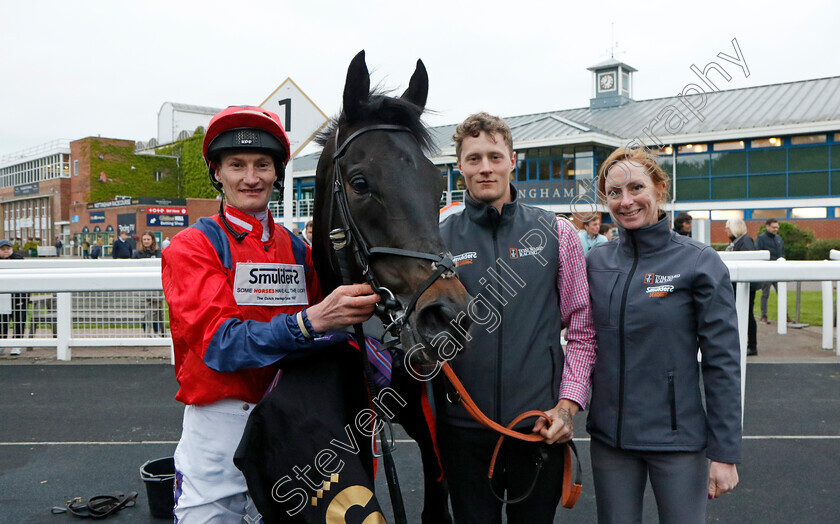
(772, 243)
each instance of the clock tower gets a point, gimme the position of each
(612, 84)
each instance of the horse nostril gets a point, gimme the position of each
(442, 328)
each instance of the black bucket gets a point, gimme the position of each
(159, 476)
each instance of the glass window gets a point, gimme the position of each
(807, 139)
(768, 161)
(693, 148)
(835, 185)
(667, 165)
(693, 189)
(728, 146)
(544, 169)
(766, 142)
(584, 168)
(808, 212)
(767, 186)
(769, 213)
(568, 166)
(521, 170)
(699, 215)
(808, 158)
(727, 214)
(692, 166)
(75, 168)
(557, 168)
(808, 184)
(835, 157)
(729, 187)
(734, 163)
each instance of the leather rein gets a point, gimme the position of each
(443, 266)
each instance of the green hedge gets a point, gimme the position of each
(819, 250)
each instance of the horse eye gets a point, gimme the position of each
(359, 184)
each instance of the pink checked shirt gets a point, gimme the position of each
(576, 312)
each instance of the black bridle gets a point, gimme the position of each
(349, 235)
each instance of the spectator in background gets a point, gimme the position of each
(682, 224)
(736, 229)
(307, 233)
(58, 245)
(96, 250)
(607, 231)
(12, 306)
(164, 244)
(148, 247)
(85, 249)
(122, 247)
(772, 242)
(153, 314)
(590, 234)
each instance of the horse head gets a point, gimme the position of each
(374, 182)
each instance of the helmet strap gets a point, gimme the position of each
(238, 236)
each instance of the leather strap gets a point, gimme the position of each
(98, 507)
(571, 489)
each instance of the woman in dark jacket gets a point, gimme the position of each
(148, 247)
(657, 296)
(154, 303)
(739, 240)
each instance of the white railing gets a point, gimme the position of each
(76, 283)
(742, 272)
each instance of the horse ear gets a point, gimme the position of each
(418, 86)
(357, 86)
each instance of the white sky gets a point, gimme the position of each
(72, 69)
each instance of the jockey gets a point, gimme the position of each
(242, 295)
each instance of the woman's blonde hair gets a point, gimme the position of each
(635, 156)
(736, 226)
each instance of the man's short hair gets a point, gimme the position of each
(681, 219)
(594, 216)
(478, 122)
(771, 221)
(604, 228)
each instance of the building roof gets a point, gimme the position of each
(611, 62)
(189, 108)
(805, 106)
(745, 112)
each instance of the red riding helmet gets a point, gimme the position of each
(246, 127)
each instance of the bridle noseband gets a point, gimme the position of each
(393, 313)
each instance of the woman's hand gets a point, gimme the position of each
(722, 478)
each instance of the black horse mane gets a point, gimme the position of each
(383, 109)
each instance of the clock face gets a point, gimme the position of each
(606, 81)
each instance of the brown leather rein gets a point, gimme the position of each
(571, 489)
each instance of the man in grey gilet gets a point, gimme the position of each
(526, 271)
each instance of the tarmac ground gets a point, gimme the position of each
(84, 428)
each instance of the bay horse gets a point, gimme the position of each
(373, 173)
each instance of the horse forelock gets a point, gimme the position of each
(383, 109)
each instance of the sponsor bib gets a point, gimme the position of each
(270, 284)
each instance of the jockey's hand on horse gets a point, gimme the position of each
(562, 422)
(345, 306)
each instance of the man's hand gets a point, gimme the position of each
(722, 478)
(345, 306)
(562, 422)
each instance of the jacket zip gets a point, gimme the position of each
(621, 340)
(501, 330)
(672, 398)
